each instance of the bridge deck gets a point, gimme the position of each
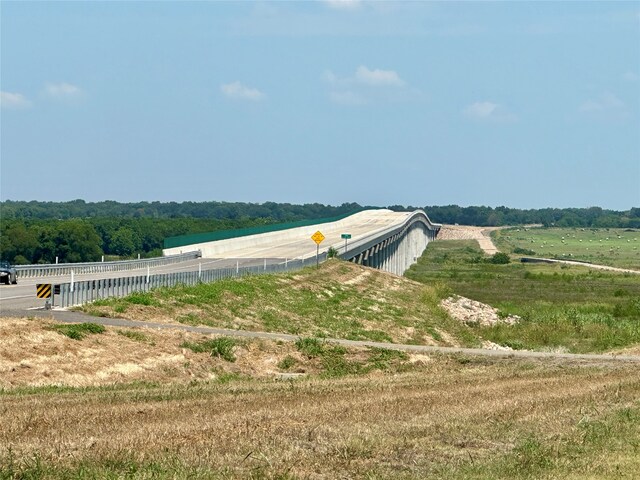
(296, 243)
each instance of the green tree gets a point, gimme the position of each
(77, 241)
(124, 242)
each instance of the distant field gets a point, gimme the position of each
(562, 307)
(606, 246)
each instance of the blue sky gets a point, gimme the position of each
(521, 104)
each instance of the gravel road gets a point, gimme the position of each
(76, 317)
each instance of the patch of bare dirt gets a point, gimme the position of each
(470, 311)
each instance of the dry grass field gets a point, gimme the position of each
(445, 418)
(89, 402)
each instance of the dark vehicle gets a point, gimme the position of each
(8, 274)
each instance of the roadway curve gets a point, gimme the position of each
(296, 243)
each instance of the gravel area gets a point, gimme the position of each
(470, 311)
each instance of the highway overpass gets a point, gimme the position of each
(383, 239)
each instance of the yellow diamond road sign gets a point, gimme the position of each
(317, 237)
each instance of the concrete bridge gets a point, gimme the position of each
(383, 239)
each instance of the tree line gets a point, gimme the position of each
(79, 231)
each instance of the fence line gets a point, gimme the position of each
(25, 271)
(87, 291)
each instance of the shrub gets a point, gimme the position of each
(332, 253)
(499, 258)
(523, 251)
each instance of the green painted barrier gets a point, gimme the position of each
(184, 240)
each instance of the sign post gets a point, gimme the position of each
(317, 237)
(346, 237)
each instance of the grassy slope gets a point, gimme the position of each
(339, 300)
(442, 417)
(562, 307)
(606, 246)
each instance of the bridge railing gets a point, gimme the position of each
(44, 270)
(364, 243)
(82, 292)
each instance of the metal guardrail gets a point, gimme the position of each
(364, 243)
(87, 291)
(25, 271)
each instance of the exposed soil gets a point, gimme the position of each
(470, 311)
(467, 232)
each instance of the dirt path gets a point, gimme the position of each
(75, 317)
(465, 232)
(585, 264)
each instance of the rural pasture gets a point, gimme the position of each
(617, 247)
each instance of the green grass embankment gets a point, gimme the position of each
(562, 307)
(338, 300)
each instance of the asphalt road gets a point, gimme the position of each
(22, 297)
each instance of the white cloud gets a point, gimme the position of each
(347, 98)
(489, 111)
(366, 86)
(343, 4)
(606, 102)
(13, 100)
(62, 90)
(378, 78)
(481, 109)
(238, 91)
(365, 76)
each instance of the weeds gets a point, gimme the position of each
(314, 302)
(221, 347)
(78, 331)
(287, 363)
(133, 335)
